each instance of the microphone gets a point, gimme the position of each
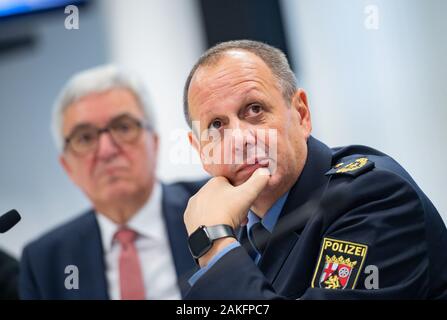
(9, 220)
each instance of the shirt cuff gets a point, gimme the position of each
(196, 276)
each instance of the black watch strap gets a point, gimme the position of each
(220, 231)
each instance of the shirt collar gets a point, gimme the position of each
(147, 222)
(271, 217)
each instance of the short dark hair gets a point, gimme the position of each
(274, 58)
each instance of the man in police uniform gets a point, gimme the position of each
(321, 222)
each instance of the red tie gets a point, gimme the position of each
(131, 279)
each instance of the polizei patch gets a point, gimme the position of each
(339, 264)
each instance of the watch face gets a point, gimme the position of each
(199, 243)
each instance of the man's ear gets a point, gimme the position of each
(300, 104)
(156, 142)
(65, 165)
(63, 161)
(193, 141)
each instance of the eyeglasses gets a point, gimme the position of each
(123, 129)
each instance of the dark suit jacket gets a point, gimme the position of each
(78, 243)
(9, 273)
(375, 213)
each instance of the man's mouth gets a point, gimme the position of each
(114, 169)
(251, 166)
(111, 171)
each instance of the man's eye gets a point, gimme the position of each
(216, 124)
(85, 137)
(123, 127)
(254, 110)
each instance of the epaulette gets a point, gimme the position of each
(351, 166)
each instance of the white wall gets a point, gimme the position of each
(384, 88)
(161, 40)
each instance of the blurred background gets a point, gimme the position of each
(375, 72)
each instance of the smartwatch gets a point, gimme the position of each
(201, 240)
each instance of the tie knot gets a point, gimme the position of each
(125, 236)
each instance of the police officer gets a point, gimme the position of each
(312, 222)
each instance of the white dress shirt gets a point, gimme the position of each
(154, 251)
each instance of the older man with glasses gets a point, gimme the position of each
(132, 243)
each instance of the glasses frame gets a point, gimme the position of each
(107, 129)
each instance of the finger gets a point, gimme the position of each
(251, 188)
(216, 181)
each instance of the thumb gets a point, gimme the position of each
(251, 188)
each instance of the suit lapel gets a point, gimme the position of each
(173, 205)
(89, 256)
(300, 204)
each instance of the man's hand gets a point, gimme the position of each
(218, 202)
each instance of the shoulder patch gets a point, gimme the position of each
(339, 264)
(353, 167)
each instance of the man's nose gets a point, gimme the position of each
(107, 147)
(243, 136)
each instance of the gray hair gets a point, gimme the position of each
(96, 80)
(274, 58)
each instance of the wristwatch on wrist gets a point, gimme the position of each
(201, 240)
